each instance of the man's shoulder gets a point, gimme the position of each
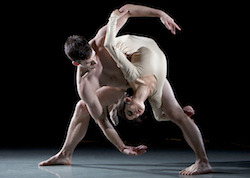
(88, 80)
(98, 40)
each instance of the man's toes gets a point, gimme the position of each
(41, 163)
(183, 172)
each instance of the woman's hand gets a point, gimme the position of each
(169, 23)
(134, 151)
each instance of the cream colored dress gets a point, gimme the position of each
(147, 59)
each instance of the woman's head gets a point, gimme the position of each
(129, 108)
(118, 113)
(133, 108)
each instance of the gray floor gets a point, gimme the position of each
(108, 163)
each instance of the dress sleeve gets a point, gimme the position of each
(128, 69)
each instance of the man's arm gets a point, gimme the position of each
(116, 21)
(144, 11)
(140, 11)
(87, 86)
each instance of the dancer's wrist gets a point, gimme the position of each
(121, 148)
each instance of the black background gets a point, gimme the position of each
(39, 89)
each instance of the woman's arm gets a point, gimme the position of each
(127, 68)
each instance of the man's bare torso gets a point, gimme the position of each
(107, 72)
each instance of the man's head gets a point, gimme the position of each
(80, 52)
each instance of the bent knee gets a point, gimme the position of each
(177, 117)
(81, 108)
(162, 118)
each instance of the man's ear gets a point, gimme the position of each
(75, 63)
(127, 99)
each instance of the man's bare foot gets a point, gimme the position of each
(58, 159)
(199, 167)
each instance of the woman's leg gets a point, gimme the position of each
(189, 129)
(79, 125)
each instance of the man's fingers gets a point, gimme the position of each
(135, 151)
(168, 26)
(133, 154)
(176, 26)
(141, 147)
(130, 152)
(141, 151)
(173, 27)
(165, 23)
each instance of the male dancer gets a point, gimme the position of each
(101, 83)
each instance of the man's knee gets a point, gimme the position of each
(177, 116)
(81, 108)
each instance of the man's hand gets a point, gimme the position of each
(134, 151)
(169, 23)
(165, 19)
(144, 11)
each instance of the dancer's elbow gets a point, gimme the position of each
(107, 45)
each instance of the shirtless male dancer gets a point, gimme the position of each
(100, 83)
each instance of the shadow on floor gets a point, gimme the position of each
(171, 169)
(221, 169)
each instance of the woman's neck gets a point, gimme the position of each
(143, 87)
(142, 93)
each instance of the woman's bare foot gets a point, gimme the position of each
(189, 110)
(199, 167)
(59, 159)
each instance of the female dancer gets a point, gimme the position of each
(144, 66)
(146, 71)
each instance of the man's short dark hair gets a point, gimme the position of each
(77, 48)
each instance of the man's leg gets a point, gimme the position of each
(76, 131)
(79, 125)
(189, 129)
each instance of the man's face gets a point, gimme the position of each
(90, 63)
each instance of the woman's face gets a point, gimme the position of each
(133, 108)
